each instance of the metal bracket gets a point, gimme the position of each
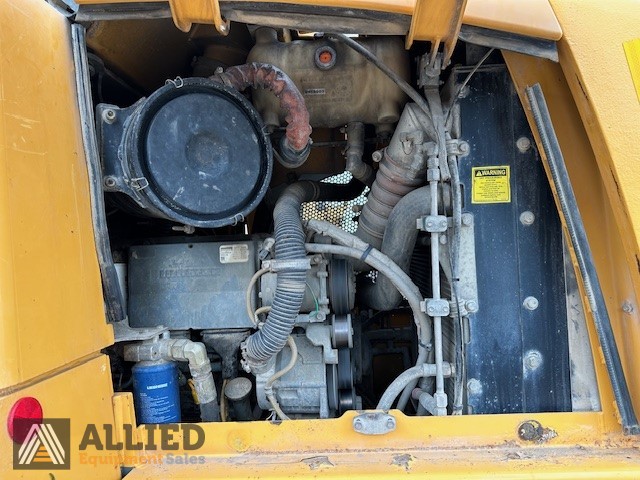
(287, 265)
(435, 308)
(320, 336)
(124, 333)
(438, 23)
(432, 223)
(138, 183)
(458, 147)
(187, 12)
(374, 423)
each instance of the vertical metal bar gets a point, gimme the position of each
(440, 395)
(586, 265)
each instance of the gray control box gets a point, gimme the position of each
(191, 285)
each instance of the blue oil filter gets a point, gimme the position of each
(155, 392)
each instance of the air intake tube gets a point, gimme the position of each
(296, 144)
(402, 169)
(399, 240)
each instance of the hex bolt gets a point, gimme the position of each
(443, 239)
(529, 430)
(109, 116)
(357, 424)
(463, 147)
(391, 424)
(627, 306)
(471, 306)
(109, 182)
(474, 386)
(376, 156)
(527, 218)
(530, 303)
(523, 144)
(467, 219)
(533, 360)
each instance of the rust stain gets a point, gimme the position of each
(403, 460)
(315, 463)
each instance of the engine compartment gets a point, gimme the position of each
(297, 236)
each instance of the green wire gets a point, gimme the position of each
(315, 299)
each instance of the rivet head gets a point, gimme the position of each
(357, 424)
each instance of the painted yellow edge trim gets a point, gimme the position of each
(536, 20)
(428, 447)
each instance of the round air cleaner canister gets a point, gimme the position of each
(197, 153)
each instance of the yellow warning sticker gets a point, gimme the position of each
(491, 184)
(632, 51)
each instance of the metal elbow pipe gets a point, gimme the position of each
(296, 144)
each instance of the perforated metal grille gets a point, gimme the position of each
(341, 214)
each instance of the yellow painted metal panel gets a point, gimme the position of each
(595, 207)
(82, 394)
(429, 447)
(533, 18)
(536, 19)
(439, 22)
(499, 463)
(632, 50)
(596, 69)
(51, 307)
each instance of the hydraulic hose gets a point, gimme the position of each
(353, 247)
(296, 144)
(407, 377)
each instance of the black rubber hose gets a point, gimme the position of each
(291, 284)
(210, 412)
(398, 243)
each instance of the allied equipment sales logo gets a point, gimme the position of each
(45, 445)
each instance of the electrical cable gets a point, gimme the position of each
(465, 81)
(269, 384)
(404, 85)
(248, 302)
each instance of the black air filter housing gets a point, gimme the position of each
(195, 152)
